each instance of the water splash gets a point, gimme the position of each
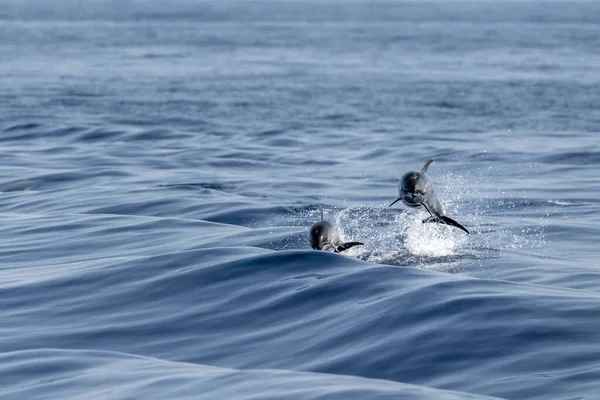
(398, 237)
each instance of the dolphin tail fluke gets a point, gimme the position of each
(424, 169)
(452, 222)
(442, 219)
(347, 245)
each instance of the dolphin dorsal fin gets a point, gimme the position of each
(424, 170)
(322, 219)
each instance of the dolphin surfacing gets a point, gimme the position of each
(416, 190)
(324, 235)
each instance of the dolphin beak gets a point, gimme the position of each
(395, 201)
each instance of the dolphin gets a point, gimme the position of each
(323, 235)
(416, 190)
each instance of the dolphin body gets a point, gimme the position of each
(416, 190)
(323, 235)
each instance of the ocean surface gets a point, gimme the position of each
(161, 163)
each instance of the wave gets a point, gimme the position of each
(32, 374)
(251, 308)
(584, 157)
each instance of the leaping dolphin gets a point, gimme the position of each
(323, 235)
(416, 190)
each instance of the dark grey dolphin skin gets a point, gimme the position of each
(323, 235)
(416, 190)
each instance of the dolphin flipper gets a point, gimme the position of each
(347, 245)
(424, 169)
(395, 201)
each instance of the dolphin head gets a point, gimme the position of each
(412, 189)
(323, 235)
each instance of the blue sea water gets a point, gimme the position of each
(162, 162)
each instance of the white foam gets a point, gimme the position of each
(431, 239)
